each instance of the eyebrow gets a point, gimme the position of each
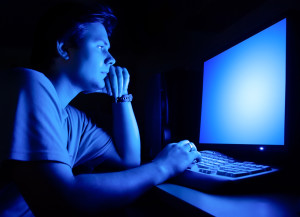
(105, 42)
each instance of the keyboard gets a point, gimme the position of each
(216, 163)
(217, 171)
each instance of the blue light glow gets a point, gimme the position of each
(243, 99)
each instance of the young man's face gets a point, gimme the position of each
(89, 63)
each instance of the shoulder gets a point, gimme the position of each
(16, 80)
(35, 94)
(32, 79)
(21, 84)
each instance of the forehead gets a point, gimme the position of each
(96, 32)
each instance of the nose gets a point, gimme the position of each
(110, 60)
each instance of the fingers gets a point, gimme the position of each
(107, 86)
(193, 147)
(113, 81)
(118, 81)
(176, 157)
(183, 142)
(119, 72)
(190, 147)
(186, 145)
(197, 156)
(126, 81)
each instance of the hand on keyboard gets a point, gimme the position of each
(176, 157)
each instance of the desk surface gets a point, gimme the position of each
(247, 205)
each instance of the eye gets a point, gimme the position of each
(100, 47)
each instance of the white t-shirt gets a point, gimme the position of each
(36, 127)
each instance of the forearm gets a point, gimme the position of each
(102, 192)
(51, 189)
(126, 133)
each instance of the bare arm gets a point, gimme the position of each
(126, 134)
(125, 128)
(51, 189)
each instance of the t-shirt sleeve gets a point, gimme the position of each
(93, 142)
(38, 133)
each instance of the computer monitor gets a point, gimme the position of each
(243, 99)
(246, 102)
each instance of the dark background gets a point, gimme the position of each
(153, 37)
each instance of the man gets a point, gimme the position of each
(49, 139)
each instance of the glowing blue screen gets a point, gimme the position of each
(243, 99)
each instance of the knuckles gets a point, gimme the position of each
(118, 79)
(119, 72)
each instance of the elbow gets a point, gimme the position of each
(132, 163)
(135, 164)
(129, 161)
(132, 157)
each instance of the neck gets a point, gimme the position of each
(66, 91)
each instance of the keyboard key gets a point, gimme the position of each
(206, 171)
(221, 173)
(203, 166)
(238, 174)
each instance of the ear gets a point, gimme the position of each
(61, 49)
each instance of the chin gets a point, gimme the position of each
(98, 86)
